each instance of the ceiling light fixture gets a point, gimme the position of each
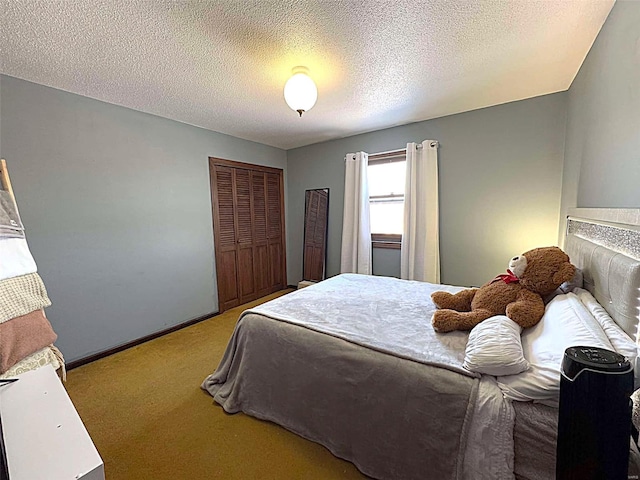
(300, 92)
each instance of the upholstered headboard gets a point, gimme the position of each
(609, 256)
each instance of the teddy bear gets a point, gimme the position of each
(518, 294)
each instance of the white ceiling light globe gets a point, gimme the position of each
(300, 91)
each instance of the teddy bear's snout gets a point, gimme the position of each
(517, 265)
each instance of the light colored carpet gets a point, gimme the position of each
(149, 419)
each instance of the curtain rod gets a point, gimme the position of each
(389, 154)
(404, 150)
(395, 152)
(398, 152)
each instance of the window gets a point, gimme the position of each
(386, 196)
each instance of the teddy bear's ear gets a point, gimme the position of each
(564, 274)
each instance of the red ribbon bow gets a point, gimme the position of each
(508, 277)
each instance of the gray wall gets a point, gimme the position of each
(602, 160)
(118, 212)
(500, 172)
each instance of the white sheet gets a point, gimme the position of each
(490, 445)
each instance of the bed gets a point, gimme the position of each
(353, 364)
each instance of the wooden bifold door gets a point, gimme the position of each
(248, 230)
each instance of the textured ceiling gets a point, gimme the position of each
(222, 64)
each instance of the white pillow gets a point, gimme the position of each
(620, 341)
(494, 347)
(566, 323)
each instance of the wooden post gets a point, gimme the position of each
(6, 181)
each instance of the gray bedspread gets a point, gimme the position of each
(386, 314)
(334, 364)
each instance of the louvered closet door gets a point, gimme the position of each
(224, 219)
(275, 232)
(244, 216)
(260, 241)
(248, 228)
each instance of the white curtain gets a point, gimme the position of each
(356, 227)
(420, 251)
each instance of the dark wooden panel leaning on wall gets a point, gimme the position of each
(247, 204)
(315, 231)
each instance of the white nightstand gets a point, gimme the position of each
(44, 436)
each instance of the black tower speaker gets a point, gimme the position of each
(594, 424)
